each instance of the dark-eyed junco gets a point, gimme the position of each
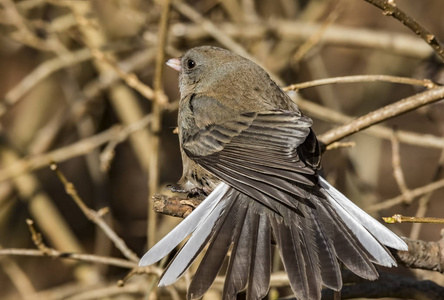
(245, 143)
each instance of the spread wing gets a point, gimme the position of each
(271, 158)
(268, 156)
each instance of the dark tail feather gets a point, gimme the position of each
(213, 258)
(290, 251)
(260, 265)
(331, 273)
(347, 249)
(310, 251)
(238, 269)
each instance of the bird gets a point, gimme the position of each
(247, 147)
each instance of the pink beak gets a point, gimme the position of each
(174, 63)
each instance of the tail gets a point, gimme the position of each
(311, 241)
(359, 217)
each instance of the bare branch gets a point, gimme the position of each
(117, 262)
(115, 133)
(174, 206)
(44, 70)
(359, 79)
(399, 199)
(383, 114)
(156, 124)
(95, 216)
(404, 219)
(388, 285)
(389, 8)
(24, 34)
(397, 170)
(422, 255)
(329, 115)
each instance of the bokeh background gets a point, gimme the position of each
(56, 91)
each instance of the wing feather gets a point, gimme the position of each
(260, 269)
(269, 164)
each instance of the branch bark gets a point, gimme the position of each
(388, 285)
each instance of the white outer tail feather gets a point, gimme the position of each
(186, 227)
(343, 205)
(185, 257)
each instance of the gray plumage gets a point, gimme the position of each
(242, 136)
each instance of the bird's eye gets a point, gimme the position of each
(191, 64)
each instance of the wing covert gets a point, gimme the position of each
(260, 153)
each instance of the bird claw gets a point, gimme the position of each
(191, 193)
(175, 189)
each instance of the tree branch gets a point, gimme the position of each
(388, 285)
(387, 112)
(359, 79)
(389, 8)
(112, 261)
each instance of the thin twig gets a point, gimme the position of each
(397, 170)
(40, 206)
(408, 137)
(423, 205)
(404, 219)
(399, 199)
(337, 145)
(134, 62)
(315, 39)
(383, 114)
(389, 8)
(37, 237)
(425, 199)
(107, 155)
(112, 261)
(25, 35)
(156, 124)
(95, 216)
(41, 72)
(130, 78)
(359, 79)
(84, 146)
